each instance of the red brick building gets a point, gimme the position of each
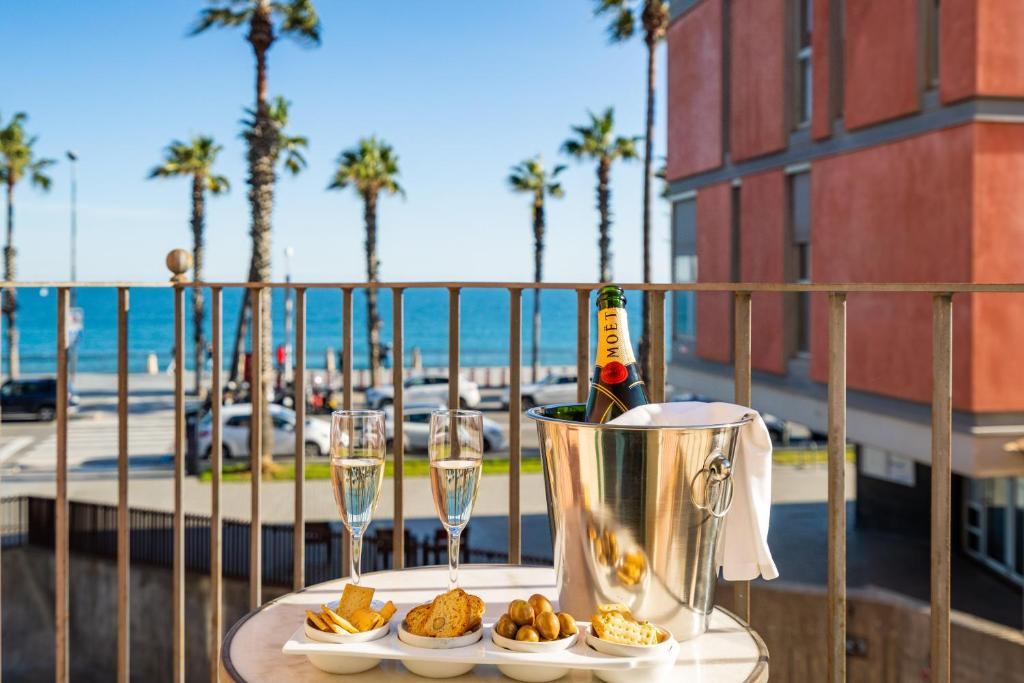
(861, 141)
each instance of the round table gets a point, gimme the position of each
(730, 652)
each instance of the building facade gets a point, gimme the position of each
(861, 141)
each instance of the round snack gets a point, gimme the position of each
(521, 613)
(528, 634)
(540, 604)
(506, 628)
(547, 625)
(566, 624)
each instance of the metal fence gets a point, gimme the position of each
(942, 295)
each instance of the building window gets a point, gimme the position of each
(684, 268)
(799, 214)
(931, 46)
(803, 99)
(993, 518)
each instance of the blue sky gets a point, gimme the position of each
(462, 89)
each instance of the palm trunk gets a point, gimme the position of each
(538, 276)
(198, 210)
(645, 335)
(10, 304)
(604, 241)
(262, 155)
(372, 266)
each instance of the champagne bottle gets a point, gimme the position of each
(616, 386)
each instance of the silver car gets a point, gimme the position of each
(235, 432)
(416, 428)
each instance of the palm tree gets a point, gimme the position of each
(597, 141)
(267, 20)
(194, 159)
(653, 20)
(17, 162)
(369, 168)
(529, 176)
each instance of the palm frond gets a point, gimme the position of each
(299, 20)
(371, 166)
(220, 16)
(218, 184)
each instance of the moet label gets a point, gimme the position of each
(613, 337)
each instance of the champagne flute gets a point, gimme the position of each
(456, 450)
(357, 470)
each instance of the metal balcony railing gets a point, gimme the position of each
(942, 295)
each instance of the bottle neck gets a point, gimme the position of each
(613, 337)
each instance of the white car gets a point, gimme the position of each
(552, 389)
(416, 421)
(424, 390)
(235, 432)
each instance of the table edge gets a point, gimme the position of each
(759, 674)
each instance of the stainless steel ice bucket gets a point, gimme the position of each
(635, 514)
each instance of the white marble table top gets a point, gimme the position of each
(730, 652)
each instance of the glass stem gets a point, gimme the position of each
(453, 557)
(355, 555)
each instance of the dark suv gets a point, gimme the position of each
(32, 398)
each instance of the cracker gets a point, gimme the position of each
(387, 611)
(315, 619)
(616, 627)
(333, 619)
(365, 619)
(353, 598)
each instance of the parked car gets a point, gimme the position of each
(555, 388)
(424, 390)
(416, 428)
(235, 432)
(33, 398)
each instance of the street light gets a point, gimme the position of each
(287, 370)
(73, 355)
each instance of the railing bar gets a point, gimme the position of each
(256, 380)
(742, 396)
(656, 301)
(346, 353)
(942, 417)
(2, 294)
(123, 527)
(216, 523)
(582, 344)
(347, 375)
(60, 548)
(299, 394)
(453, 347)
(178, 568)
(837, 487)
(515, 364)
(398, 419)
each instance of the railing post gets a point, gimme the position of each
(256, 446)
(60, 546)
(515, 363)
(398, 419)
(123, 527)
(656, 309)
(178, 523)
(837, 487)
(942, 418)
(582, 344)
(742, 396)
(453, 347)
(347, 378)
(299, 394)
(216, 524)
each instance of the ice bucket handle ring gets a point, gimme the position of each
(717, 475)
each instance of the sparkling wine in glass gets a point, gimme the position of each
(456, 450)
(357, 470)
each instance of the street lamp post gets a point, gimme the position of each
(73, 351)
(287, 370)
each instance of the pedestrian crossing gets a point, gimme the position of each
(93, 443)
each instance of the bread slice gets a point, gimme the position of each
(416, 619)
(450, 615)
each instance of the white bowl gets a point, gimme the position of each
(533, 673)
(438, 669)
(640, 651)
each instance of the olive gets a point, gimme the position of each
(521, 613)
(547, 625)
(528, 634)
(540, 604)
(505, 627)
(566, 624)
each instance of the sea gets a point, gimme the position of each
(484, 326)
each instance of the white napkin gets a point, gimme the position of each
(742, 551)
